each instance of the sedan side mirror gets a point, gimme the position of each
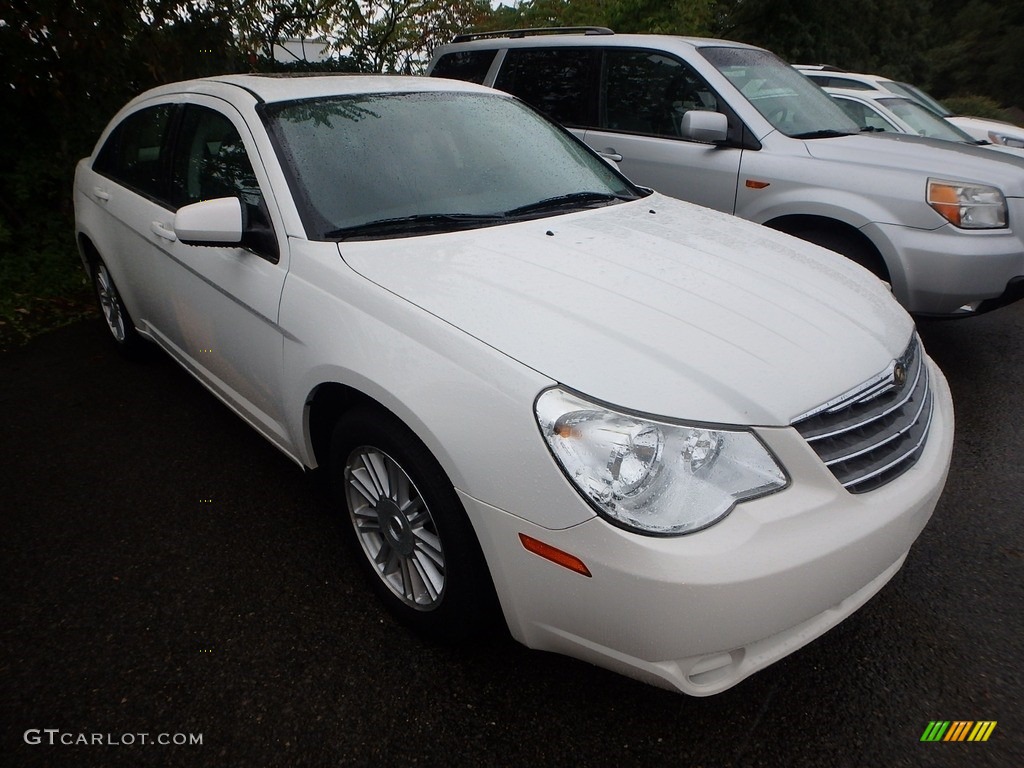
(704, 126)
(227, 222)
(210, 222)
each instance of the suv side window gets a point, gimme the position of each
(470, 66)
(557, 81)
(211, 162)
(648, 92)
(136, 151)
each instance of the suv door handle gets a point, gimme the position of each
(160, 230)
(610, 154)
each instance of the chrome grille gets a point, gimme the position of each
(876, 431)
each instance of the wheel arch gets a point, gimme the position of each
(88, 252)
(326, 403)
(800, 225)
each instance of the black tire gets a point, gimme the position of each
(119, 322)
(414, 541)
(850, 246)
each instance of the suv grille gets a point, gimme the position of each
(876, 431)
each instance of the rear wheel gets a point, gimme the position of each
(415, 542)
(119, 322)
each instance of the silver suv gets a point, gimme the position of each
(732, 127)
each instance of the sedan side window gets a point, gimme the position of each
(648, 93)
(136, 151)
(864, 116)
(211, 162)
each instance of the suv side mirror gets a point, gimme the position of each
(704, 126)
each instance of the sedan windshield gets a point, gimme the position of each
(393, 165)
(787, 99)
(924, 121)
(920, 96)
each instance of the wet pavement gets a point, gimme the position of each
(167, 572)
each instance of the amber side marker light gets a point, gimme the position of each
(554, 554)
(755, 184)
(943, 198)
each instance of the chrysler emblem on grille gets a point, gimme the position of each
(899, 375)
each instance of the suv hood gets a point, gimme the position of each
(929, 157)
(657, 306)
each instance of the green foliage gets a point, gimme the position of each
(398, 35)
(979, 50)
(66, 68)
(976, 106)
(882, 36)
(679, 17)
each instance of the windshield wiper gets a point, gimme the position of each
(417, 223)
(571, 200)
(827, 133)
(871, 129)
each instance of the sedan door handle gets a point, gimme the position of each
(100, 194)
(160, 230)
(610, 154)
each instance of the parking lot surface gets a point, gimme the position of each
(167, 572)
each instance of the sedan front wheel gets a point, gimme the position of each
(415, 542)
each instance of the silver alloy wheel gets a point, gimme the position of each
(395, 528)
(110, 303)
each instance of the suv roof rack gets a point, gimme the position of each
(530, 32)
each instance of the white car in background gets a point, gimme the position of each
(662, 439)
(981, 129)
(883, 111)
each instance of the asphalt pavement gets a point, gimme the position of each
(168, 575)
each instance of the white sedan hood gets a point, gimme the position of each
(657, 306)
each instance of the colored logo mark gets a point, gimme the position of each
(958, 730)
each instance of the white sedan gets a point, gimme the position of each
(649, 435)
(995, 132)
(884, 111)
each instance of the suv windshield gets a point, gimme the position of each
(789, 101)
(398, 164)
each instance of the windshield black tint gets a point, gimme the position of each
(788, 100)
(360, 159)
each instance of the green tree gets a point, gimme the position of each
(980, 52)
(679, 17)
(399, 35)
(887, 37)
(66, 67)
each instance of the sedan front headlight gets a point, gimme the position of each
(654, 476)
(1006, 140)
(968, 206)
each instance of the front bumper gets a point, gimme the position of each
(699, 613)
(949, 272)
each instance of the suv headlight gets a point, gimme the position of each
(966, 205)
(653, 476)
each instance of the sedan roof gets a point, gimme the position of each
(291, 87)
